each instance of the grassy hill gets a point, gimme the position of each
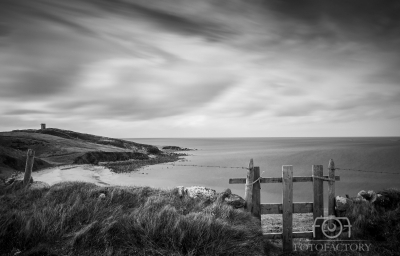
(58, 147)
(83, 219)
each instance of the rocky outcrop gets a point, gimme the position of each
(96, 157)
(175, 148)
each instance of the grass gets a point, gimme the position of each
(70, 219)
(378, 222)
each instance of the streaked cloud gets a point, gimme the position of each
(201, 68)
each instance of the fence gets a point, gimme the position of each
(288, 207)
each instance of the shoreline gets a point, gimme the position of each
(117, 173)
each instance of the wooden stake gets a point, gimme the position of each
(28, 167)
(331, 188)
(331, 192)
(256, 204)
(318, 206)
(248, 192)
(287, 207)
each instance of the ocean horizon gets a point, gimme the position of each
(373, 162)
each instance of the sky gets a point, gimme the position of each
(201, 68)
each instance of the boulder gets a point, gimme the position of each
(343, 203)
(38, 185)
(197, 192)
(235, 201)
(369, 196)
(210, 194)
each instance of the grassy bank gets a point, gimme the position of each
(72, 219)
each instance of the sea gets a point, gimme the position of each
(364, 163)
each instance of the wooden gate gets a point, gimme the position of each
(288, 207)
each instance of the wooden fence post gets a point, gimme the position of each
(331, 188)
(318, 205)
(28, 166)
(331, 192)
(256, 204)
(287, 207)
(248, 192)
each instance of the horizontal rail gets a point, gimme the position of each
(278, 180)
(304, 207)
(304, 234)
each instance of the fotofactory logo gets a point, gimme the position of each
(332, 228)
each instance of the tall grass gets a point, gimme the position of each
(378, 222)
(71, 218)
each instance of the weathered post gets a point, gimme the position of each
(318, 205)
(287, 208)
(256, 204)
(331, 188)
(248, 192)
(331, 192)
(28, 166)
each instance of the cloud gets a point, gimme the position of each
(200, 63)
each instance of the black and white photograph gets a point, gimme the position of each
(199, 127)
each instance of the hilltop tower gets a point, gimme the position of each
(42, 126)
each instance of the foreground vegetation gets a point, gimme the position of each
(76, 218)
(378, 222)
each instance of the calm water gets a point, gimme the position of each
(369, 154)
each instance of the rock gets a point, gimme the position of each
(362, 194)
(227, 191)
(181, 191)
(201, 192)
(197, 192)
(39, 185)
(210, 194)
(369, 196)
(343, 203)
(235, 201)
(102, 196)
(372, 196)
(176, 148)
